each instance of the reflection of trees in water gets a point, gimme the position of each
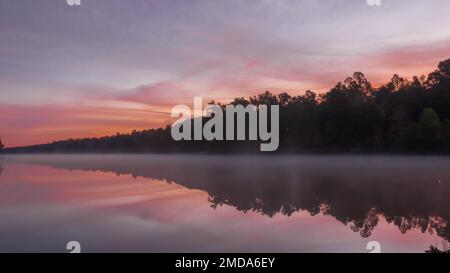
(359, 215)
(407, 200)
(409, 193)
(441, 247)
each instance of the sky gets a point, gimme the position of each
(110, 66)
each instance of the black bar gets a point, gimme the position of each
(167, 262)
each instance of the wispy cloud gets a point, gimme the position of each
(110, 66)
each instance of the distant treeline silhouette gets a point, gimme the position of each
(401, 116)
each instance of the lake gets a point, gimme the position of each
(203, 203)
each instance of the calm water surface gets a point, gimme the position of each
(143, 203)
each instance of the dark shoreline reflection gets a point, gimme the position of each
(410, 192)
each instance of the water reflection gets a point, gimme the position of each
(409, 192)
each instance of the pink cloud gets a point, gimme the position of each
(161, 93)
(102, 111)
(408, 61)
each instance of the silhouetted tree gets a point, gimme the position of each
(400, 116)
(434, 249)
(428, 133)
(438, 83)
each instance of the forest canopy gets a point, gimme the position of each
(401, 116)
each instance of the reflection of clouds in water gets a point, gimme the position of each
(354, 190)
(1, 167)
(362, 193)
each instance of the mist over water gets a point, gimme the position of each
(184, 203)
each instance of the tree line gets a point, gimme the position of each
(401, 116)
